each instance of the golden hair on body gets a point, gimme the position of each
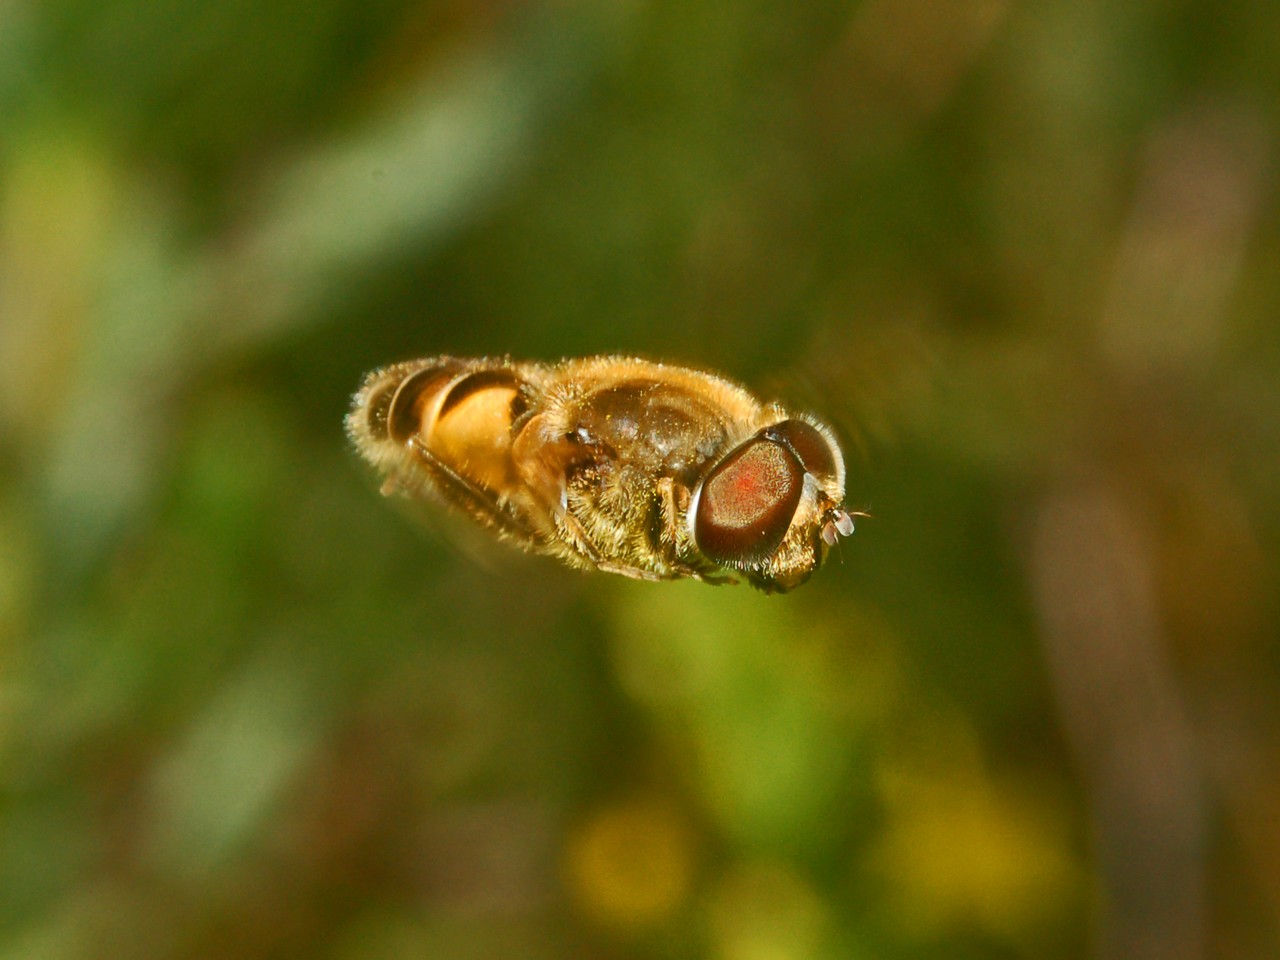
(650, 470)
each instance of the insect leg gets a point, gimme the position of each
(481, 503)
(667, 535)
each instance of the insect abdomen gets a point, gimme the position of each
(458, 412)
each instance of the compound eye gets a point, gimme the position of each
(747, 502)
(808, 443)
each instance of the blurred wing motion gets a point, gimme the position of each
(645, 469)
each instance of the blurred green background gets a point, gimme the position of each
(1024, 257)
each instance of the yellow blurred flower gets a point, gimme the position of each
(631, 865)
(963, 852)
(765, 911)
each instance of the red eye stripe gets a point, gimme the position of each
(747, 502)
(756, 481)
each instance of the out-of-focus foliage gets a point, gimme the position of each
(1025, 257)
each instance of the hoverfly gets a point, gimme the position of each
(649, 470)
